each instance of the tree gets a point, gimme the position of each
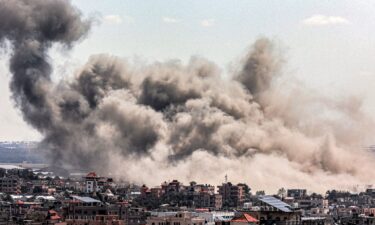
(316, 196)
(260, 193)
(247, 189)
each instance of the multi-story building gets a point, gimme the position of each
(370, 192)
(83, 208)
(296, 193)
(5, 212)
(232, 195)
(204, 188)
(156, 192)
(91, 182)
(10, 185)
(309, 204)
(216, 201)
(171, 187)
(357, 219)
(94, 183)
(269, 210)
(135, 216)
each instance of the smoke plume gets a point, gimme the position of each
(168, 120)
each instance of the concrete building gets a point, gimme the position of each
(180, 218)
(156, 192)
(296, 193)
(91, 182)
(83, 208)
(232, 195)
(314, 221)
(272, 211)
(216, 201)
(95, 183)
(10, 185)
(98, 220)
(171, 187)
(370, 192)
(358, 220)
(136, 216)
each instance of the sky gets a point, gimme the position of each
(328, 45)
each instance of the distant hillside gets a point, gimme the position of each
(17, 152)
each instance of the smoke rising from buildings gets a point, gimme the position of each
(148, 123)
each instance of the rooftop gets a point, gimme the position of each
(86, 199)
(277, 203)
(91, 174)
(246, 218)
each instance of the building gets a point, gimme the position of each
(313, 220)
(232, 195)
(180, 218)
(244, 219)
(95, 183)
(10, 185)
(90, 211)
(296, 193)
(216, 201)
(171, 187)
(136, 216)
(107, 220)
(357, 219)
(156, 192)
(91, 182)
(83, 208)
(312, 203)
(272, 211)
(216, 217)
(370, 192)
(201, 196)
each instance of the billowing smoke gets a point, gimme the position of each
(167, 120)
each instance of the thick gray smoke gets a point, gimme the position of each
(168, 120)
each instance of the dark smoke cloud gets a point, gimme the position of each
(101, 75)
(146, 123)
(165, 85)
(260, 67)
(31, 27)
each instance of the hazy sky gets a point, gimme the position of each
(328, 45)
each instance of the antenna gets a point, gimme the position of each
(226, 178)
